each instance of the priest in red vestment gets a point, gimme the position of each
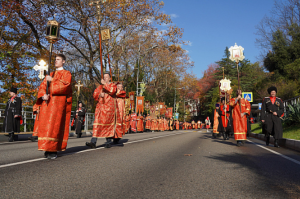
(160, 124)
(55, 110)
(120, 97)
(193, 124)
(148, 123)
(153, 125)
(36, 112)
(133, 122)
(107, 115)
(216, 121)
(140, 123)
(199, 124)
(241, 108)
(127, 121)
(177, 124)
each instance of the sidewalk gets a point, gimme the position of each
(286, 143)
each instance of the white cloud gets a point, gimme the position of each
(174, 15)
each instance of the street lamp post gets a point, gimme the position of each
(175, 99)
(138, 71)
(184, 109)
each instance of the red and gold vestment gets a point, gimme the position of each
(121, 95)
(216, 122)
(140, 123)
(148, 122)
(54, 117)
(239, 122)
(107, 121)
(133, 122)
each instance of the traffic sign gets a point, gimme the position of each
(259, 106)
(248, 96)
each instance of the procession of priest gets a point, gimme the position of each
(232, 116)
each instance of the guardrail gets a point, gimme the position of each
(291, 101)
(29, 118)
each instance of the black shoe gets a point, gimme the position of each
(46, 154)
(79, 135)
(52, 155)
(239, 143)
(227, 137)
(224, 136)
(116, 140)
(90, 144)
(276, 143)
(11, 137)
(268, 141)
(107, 145)
(34, 138)
(243, 142)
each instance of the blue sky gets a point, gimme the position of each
(211, 25)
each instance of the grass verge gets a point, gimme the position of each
(289, 132)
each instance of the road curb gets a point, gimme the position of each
(286, 143)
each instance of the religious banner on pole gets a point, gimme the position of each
(147, 105)
(162, 108)
(152, 112)
(131, 97)
(140, 104)
(169, 113)
(157, 111)
(127, 105)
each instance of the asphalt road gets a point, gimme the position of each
(179, 164)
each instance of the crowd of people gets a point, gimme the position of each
(234, 117)
(145, 123)
(54, 104)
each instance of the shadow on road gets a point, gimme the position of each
(83, 147)
(279, 176)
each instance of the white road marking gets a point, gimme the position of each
(275, 152)
(23, 162)
(87, 150)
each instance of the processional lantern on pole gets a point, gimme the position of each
(225, 86)
(52, 35)
(105, 34)
(98, 3)
(237, 55)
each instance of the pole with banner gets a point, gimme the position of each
(237, 55)
(225, 86)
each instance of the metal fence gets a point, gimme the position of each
(29, 118)
(291, 101)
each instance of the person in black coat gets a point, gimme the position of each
(223, 128)
(79, 119)
(249, 124)
(272, 111)
(12, 114)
